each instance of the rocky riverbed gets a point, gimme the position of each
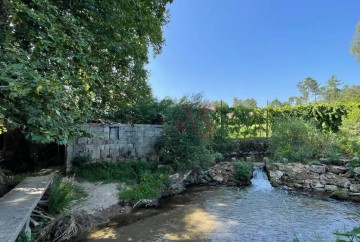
(338, 181)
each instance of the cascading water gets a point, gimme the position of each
(256, 213)
(260, 180)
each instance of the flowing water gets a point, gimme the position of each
(257, 213)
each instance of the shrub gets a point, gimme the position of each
(354, 163)
(24, 238)
(80, 161)
(62, 192)
(108, 172)
(351, 124)
(150, 187)
(185, 139)
(294, 139)
(348, 147)
(243, 170)
(353, 235)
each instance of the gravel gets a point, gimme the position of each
(100, 196)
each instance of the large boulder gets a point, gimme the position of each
(330, 188)
(355, 188)
(357, 170)
(341, 194)
(333, 179)
(337, 169)
(222, 172)
(320, 169)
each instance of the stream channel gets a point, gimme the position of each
(256, 213)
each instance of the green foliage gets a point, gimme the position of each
(352, 235)
(81, 161)
(186, 135)
(243, 170)
(64, 62)
(62, 192)
(150, 187)
(222, 145)
(24, 238)
(147, 110)
(294, 139)
(356, 43)
(326, 117)
(330, 147)
(309, 85)
(355, 162)
(251, 144)
(240, 121)
(349, 148)
(351, 124)
(109, 172)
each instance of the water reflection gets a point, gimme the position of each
(198, 224)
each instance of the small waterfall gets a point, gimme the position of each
(260, 180)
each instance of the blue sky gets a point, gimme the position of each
(254, 48)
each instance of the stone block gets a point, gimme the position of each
(355, 188)
(318, 169)
(95, 154)
(104, 154)
(82, 141)
(331, 188)
(357, 170)
(337, 169)
(114, 153)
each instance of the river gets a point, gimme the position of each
(256, 213)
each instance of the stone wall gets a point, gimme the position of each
(116, 142)
(338, 181)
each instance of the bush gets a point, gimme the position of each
(109, 172)
(24, 238)
(294, 139)
(150, 187)
(354, 163)
(80, 161)
(62, 192)
(185, 140)
(351, 124)
(243, 170)
(353, 235)
(252, 144)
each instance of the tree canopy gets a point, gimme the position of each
(356, 43)
(65, 62)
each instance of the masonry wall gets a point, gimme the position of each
(116, 142)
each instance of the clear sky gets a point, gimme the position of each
(254, 48)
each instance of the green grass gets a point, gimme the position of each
(243, 170)
(62, 192)
(113, 172)
(150, 187)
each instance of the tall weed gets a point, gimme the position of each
(62, 192)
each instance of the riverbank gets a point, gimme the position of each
(336, 181)
(104, 209)
(216, 213)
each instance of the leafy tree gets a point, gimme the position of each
(356, 43)
(294, 139)
(350, 94)
(351, 124)
(293, 101)
(276, 103)
(65, 62)
(331, 92)
(247, 103)
(309, 85)
(221, 120)
(186, 135)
